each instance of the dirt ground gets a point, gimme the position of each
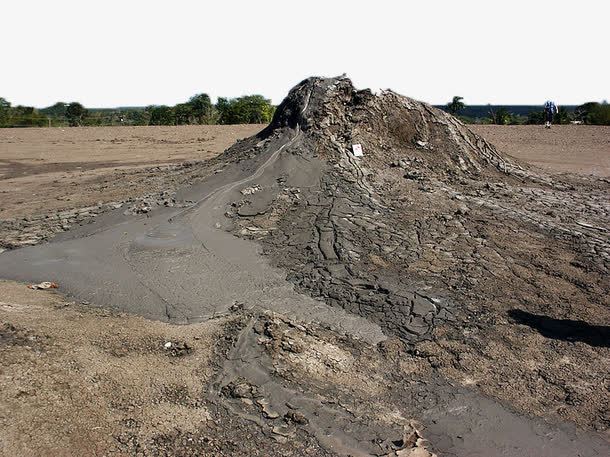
(46, 170)
(564, 148)
(83, 381)
(54, 169)
(503, 368)
(72, 376)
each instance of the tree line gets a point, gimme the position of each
(253, 109)
(592, 113)
(198, 110)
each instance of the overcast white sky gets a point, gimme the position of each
(140, 52)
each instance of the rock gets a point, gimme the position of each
(462, 210)
(43, 285)
(283, 430)
(250, 190)
(413, 175)
(267, 410)
(240, 388)
(296, 417)
(177, 349)
(422, 306)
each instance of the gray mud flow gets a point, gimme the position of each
(294, 223)
(458, 421)
(178, 265)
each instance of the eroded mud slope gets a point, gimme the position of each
(489, 277)
(494, 271)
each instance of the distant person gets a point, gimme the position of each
(550, 109)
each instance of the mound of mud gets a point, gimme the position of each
(415, 227)
(491, 270)
(463, 274)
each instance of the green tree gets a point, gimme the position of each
(201, 108)
(249, 109)
(137, 117)
(76, 114)
(161, 115)
(562, 116)
(5, 111)
(25, 116)
(456, 105)
(58, 110)
(600, 115)
(593, 113)
(223, 108)
(583, 111)
(95, 118)
(183, 114)
(535, 117)
(501, 116)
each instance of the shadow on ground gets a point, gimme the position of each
(564, 329)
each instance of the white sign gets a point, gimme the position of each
(357, 149)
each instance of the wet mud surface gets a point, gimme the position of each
(433, 281)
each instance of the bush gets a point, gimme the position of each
(23, 116)
(600, 115)
(594, 113)
(161, 115)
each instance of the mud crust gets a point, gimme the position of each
(434, 235)
(484, 282)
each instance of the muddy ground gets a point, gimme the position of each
(80, 381)
(84, 381)
(441, 301)
(52, 179)
(45, 170)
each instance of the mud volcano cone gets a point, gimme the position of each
(407, 234)
(336, 115)
(428, 276)
(424, 269)
(350, 228)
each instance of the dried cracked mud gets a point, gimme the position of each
(431, 296)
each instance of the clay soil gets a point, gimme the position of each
(81, 380)
(44, 170)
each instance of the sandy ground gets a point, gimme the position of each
(564, 148)
(61, 168)
(72, 376)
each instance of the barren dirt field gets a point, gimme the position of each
(58, 168)
(433, 297)
(564, 148)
